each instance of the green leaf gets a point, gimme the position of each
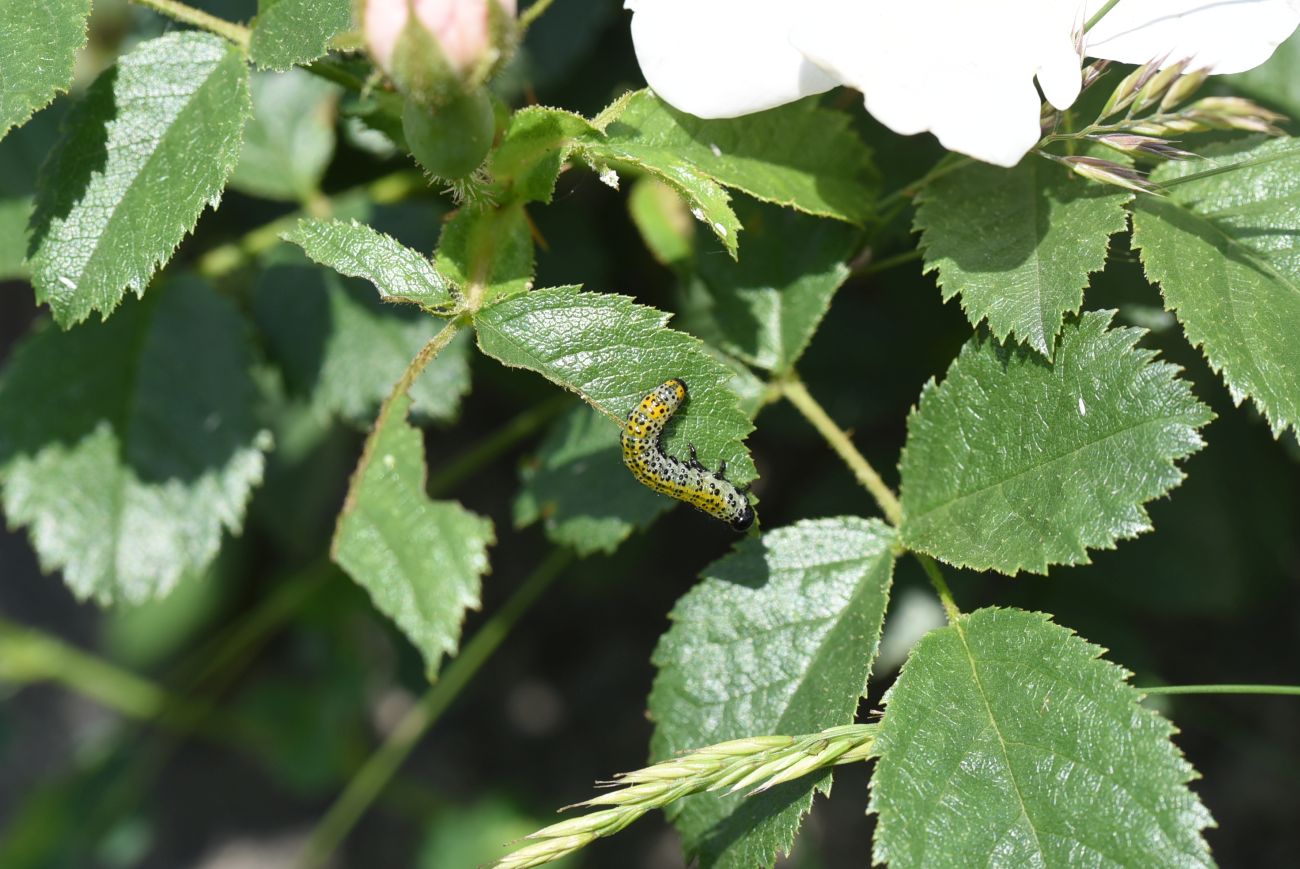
(41, 41)
(150, 144)
(1007, 740)
(128, 447)
(148, 636)
(343, 349)
(422, 561)
(1017, 244)
(533, 148)
(499, 240)
(374, 118)
(290, 32)
(1276, 82)
(663, 220)
(751, 390)
(709, 202)
(472, 831)
(573, 484)
(778, 637)
(765, 308)
(1015, 464)
(799, 155)
(13, 237)
(356, 250)
(1225, 253)
(289, 140)
(611, 352)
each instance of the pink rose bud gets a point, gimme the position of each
(434, 49)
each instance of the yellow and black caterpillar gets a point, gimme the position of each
(691, 482)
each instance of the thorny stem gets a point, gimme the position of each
(794, 390)
(236, 33)
(367, 784)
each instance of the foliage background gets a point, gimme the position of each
(1213, 595)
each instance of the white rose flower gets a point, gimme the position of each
(960, 69)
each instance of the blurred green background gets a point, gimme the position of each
(284, 720)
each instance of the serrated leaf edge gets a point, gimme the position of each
(1040, 344)
(1278, 424)
(1096, 652)
(1147, 358)
(65, 88)
(138, 282)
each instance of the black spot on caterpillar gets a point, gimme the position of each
(691, 482)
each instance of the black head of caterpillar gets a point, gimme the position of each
(643, 453)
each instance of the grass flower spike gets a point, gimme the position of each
(751, 765)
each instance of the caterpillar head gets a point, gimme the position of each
(744, 520)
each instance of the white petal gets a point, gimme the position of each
(963, 70)
(1060, 73)
(1222, 35)
(722, 58)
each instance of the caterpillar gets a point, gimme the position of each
(644, 455)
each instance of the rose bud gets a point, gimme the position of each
(435, 50)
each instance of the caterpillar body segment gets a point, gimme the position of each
(689, 481)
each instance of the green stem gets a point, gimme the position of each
(213, 663)
(532, 13)
(30, 655)
(889, 262)
(229, 257)
(384, 763)
(931, 568)
(427, 354)
(1231, 167)
(1101, 13)
(331, 70)
(797, 394)
(469, 462)
(948, 163)
(1287, 690)
(236, 33)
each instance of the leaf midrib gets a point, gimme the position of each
(960, 627)
(945, 505)
(116, 209)
(1039, 339)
